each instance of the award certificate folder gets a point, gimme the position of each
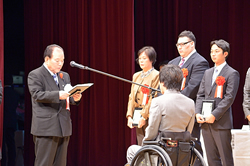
(136, 117)
(79, 88)
(207, 107)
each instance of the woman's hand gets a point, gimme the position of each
(130, 122)
(142, 122)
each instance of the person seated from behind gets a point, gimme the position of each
(170, 112)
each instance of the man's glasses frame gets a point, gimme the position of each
(182, 44)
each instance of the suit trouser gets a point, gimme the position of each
(140, 133)
(51, 151)
(218, 145)
(10, 152)
(196, 133)
(131, 152)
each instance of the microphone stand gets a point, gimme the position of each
(119, 78)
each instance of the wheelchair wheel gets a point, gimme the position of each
(151, 155)
(197, 156)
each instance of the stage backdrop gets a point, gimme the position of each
(158, 23)
(98, 34)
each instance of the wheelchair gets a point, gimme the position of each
(173, 149)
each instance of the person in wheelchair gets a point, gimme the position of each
(170, 112)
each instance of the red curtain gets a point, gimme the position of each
(1, 71)
(98, 34)
(158, 23)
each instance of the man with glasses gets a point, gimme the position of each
(51, 125)
(194, 66)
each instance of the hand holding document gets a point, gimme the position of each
(207, 107)
(136, 117)
(79, 88)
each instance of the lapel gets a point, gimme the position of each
(176, 61)
(189, 61)
(61, 81)
(136, 87)
(222, 73)
(49, 78)
(209, 80)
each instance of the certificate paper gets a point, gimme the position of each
(79, 88)
(207, 107)
(136, 116)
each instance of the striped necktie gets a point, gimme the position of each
(55, 78)
(182, 62)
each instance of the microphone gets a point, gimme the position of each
(73, 64)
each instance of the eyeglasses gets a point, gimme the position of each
(182, 44)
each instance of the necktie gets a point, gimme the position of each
(215, 75)
(182, 62)
(55, 78)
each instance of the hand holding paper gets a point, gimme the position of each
(63, 95)
(67, 87)
(142, 122)
(210, 119)
(200, 118)
(130, 122)
(77, 96)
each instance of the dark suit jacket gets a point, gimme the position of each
(49, 114)
(222, 111)
(196, 66)
(11, 99)
(246, 94)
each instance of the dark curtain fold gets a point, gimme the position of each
(158, 23)
(98, 34)
(1, 71)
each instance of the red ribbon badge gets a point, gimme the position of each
(61, 75)
(185, 74)
(219, 89)
(67, 100)
(145, 92)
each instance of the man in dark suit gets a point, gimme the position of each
(11, 100)
(246, 95)
(51, 123)
(220, 85)
(196, 65)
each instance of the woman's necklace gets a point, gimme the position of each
(143, 75)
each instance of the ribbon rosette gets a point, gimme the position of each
(219, 89)
(145, 92)
(61, 75)
(185, 74)
(67, 100)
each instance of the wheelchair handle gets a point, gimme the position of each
(165, 139)
(194, 139)
(150, 142)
